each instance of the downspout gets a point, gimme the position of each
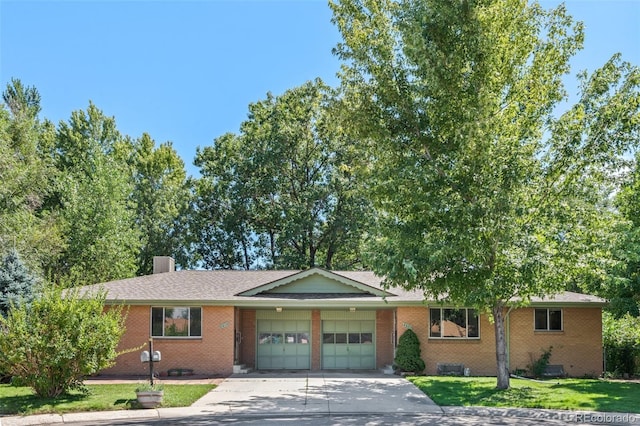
(394, 332)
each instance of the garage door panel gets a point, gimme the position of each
(341, 350)
(348, 344)
(342, 326)
(367, 350)
(341, 362)
(283, 344)
(368, 327)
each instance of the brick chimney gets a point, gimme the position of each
(162, 264)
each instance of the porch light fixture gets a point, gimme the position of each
(278, 309)
(352, 309)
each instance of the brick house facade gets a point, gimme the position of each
(211, 321)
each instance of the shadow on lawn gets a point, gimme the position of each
(20, 404)
(577, 394)
(473, 393)
(29, 404)
(605, 395)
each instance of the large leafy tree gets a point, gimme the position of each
(622, 287)
(161, 195)
(27, 175)
(285, 189)
(223, 224)
(95, 188)
(487, 185)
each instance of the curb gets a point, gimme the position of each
(48, 419)
(578, 417)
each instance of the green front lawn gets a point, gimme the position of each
(565, 394)
(22, 401)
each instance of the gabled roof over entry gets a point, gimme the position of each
(316, 281)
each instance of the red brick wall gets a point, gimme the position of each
(212, 354)
(248, 345)
(384, 338)
(415, 318)
(316, 340)
(479, 355)
(136, 334)
(578, 347)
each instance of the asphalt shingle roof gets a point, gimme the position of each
(224, 287)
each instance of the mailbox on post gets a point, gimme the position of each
(144, 356)
(155, 357)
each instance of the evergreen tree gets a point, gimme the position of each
(408, 356)
(17, 284)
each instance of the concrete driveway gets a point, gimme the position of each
(307, 392)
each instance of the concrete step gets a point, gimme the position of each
(241, 369)
(387, 369)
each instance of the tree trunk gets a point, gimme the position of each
(272, 246)
(501, 346)
(328, 264)
(245, 252)
(312, 256)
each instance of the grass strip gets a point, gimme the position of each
(22, 401)
(564, 394)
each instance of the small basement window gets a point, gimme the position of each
(176, 321)
(548, 319)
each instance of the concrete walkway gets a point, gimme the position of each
(314, 393)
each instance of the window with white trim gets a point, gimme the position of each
(176, 321)
(450, 323)
(547, 319)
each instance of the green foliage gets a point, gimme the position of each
(284, 190)
(539, 364)
(621, 341)
(17, 284)
(23, 102)
(95, 188)
(485, 190)
(161, 195)
(148, 387)
(408, 356)
(623, 286)
(59, 339)
(27, 175)
(81, 202)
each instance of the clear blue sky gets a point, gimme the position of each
(185, 71)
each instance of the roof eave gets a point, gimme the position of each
(376, 302)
